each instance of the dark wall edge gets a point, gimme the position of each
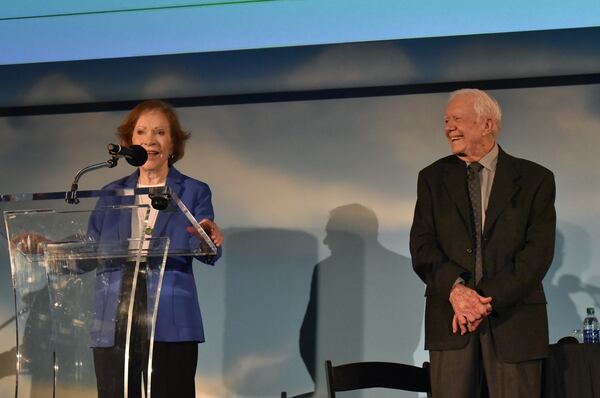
(309, 95)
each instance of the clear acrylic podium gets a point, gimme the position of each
(73, 286)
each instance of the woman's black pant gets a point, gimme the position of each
(173, 363)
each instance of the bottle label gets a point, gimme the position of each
(591, 336)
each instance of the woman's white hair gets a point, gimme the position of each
(485, 105)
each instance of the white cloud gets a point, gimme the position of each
(556, 127)
(268, 197)
(506, 59)
(167, 85)
(345, 65)
(245, 371)
(56, 88)
(48, 150)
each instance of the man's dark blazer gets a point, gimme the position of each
(517, 248)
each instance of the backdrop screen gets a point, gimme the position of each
(316, 201)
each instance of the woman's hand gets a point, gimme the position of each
(211, 229)
(29, 243)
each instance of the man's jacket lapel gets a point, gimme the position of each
(455, 181)
(505, 187)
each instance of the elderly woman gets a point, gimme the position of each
(154, 125)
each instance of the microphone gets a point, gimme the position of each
(135, 155)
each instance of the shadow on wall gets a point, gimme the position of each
(366, 303)
(266, 283)
(35, 349)
(572, 250)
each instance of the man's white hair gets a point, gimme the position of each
(485, 105)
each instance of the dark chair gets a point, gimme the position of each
(361, 375)
(305, 395)
(568, 340)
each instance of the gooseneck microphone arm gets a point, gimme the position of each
(71, 196)
(135, 155)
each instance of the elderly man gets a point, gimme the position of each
(482, 240)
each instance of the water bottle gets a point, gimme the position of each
(591, 328)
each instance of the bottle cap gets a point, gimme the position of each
(590, 310)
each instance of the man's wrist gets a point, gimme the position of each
(459, 282)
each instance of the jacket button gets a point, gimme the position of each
(469, 251)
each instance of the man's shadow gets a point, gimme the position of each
(366, 303)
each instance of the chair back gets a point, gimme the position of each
(305, 395)
(362, 375)
(568, 340)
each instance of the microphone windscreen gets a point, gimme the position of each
(137, 155)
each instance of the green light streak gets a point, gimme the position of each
(196, 5)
